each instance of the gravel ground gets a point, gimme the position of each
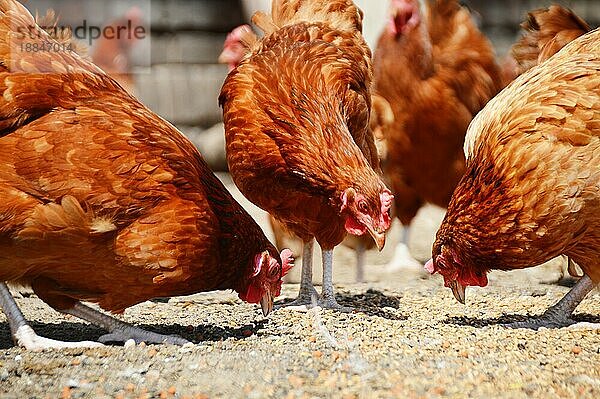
(408, 338)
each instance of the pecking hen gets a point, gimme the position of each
(531, 190)
(296, 112)
(104, 201)
(437, 70)
(235, 49)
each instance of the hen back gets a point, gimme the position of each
(436, 78)
(102, 200)
(296, 113)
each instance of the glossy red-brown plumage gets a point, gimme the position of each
(296, 114)
(102, 200)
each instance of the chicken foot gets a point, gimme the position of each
(307, 297)
(560, 314)
(120, 331)
(24, 335)
(403, 259)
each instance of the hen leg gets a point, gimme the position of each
(23, 334)
(307, 295)
(327, 299)
(403, 259)
(119, 331)
(559, 315)
(360, 263)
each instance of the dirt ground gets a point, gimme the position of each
(408, 338)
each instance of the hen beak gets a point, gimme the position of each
(378, 237)
(458, 290)
(266, 303)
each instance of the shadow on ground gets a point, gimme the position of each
(371, 303)
(70, 331)
(511, 318)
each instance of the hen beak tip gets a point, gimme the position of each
(266, 303)
(378, 237)
(459, 291)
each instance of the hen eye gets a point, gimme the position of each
(362, 206)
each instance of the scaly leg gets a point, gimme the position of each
(327, 299)
(307, 295)
(403, 259)
(360, 262)
(23, 334)
(120, 331)
(559, 315)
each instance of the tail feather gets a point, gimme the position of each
(264, 22)
(342, 15)
(63, 35)
(547, 31)
(25, 47)
(34, 68)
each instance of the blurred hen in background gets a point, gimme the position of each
(113, 54)
(437, 70)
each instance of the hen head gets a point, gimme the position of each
(404, 16)
(458, 273)
(265, 283)
(367, 215)
(234, 49)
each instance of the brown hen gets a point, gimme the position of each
(104, 201)
(437, 70)
(235, 49)
(296, 112)
(531, 191)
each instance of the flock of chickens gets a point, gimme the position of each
(96, 188)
